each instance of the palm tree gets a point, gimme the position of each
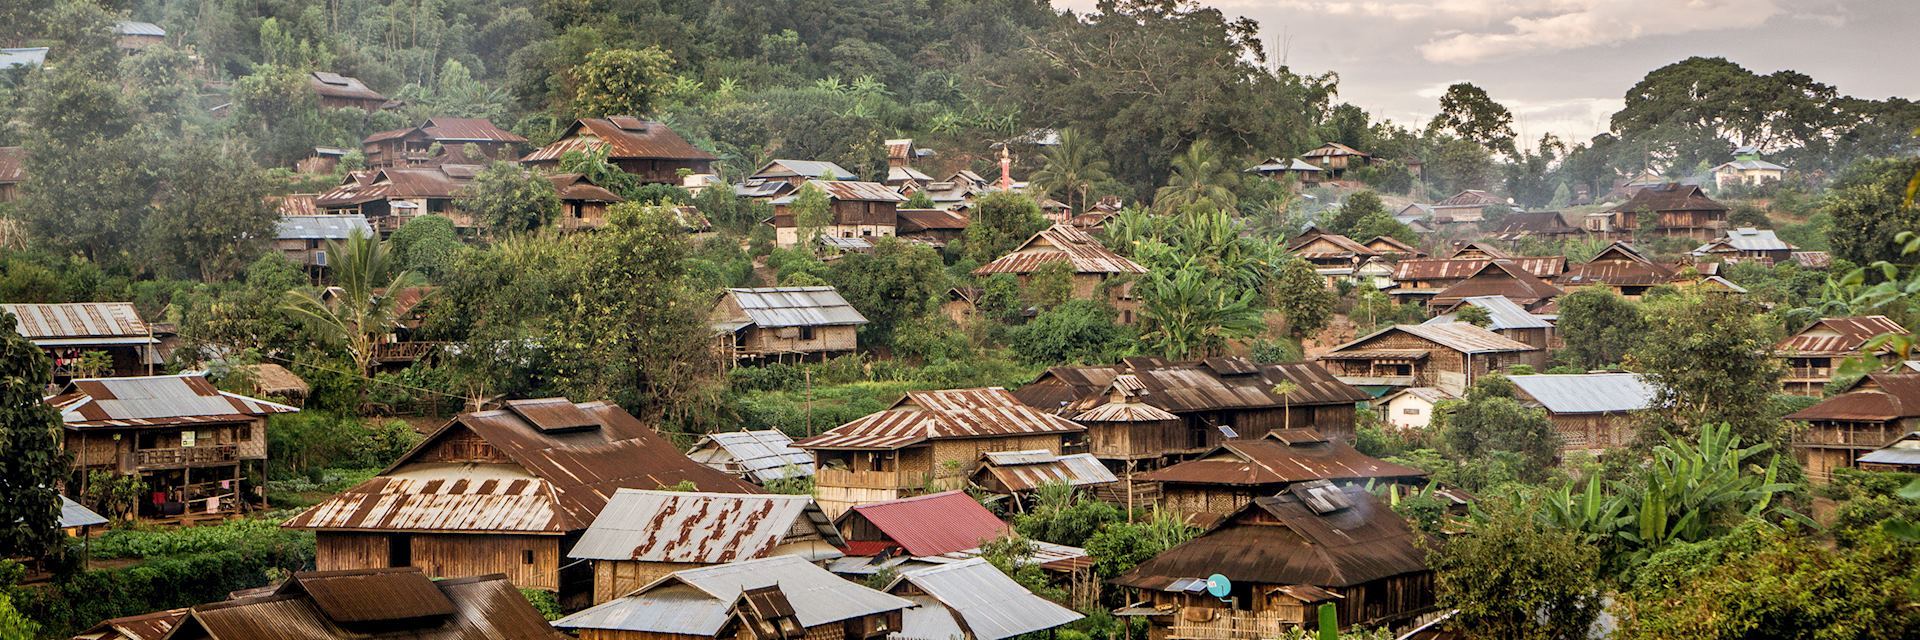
(1193, 314)
(1200, 175)
(1285, 390)
(359, 309)
(1072, 168)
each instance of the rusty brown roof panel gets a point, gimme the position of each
(624, 137)
(146, 626)
(486, 607)
(1061, 243)
(77, 320)
(1877, 397)
(933, 415)
(913, 220)
(1497, 278)
(1028, 470)
(1459, 268)
(1186, 387)
(1272, 460)
(467, 130)
(372, 596)
(1671, 196)
(1838, 336)
(1293, 545)
(699, 527)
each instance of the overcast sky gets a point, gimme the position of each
(1563, 65)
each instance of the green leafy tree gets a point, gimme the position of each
(812, 212)
(999, 223)
(1491, 418)
(507, 199)
(616, 82)
(1049, 286)
(1467, 112)
(919, 200)
(1352, 213)
(426, 245)
(1079, 331)
(1869, 209)
(1474, 315)
(895, 283)
(367, 305)
(34, 464)
(1072, 168)
(1722, 375)
(211, 214)
(1510, 576)
(1201, 176)
(1301, 295)
(1599, 327)
(1189, 315)
(1060, 514)
(1119, 547)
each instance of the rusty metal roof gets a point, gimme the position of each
(1341, 245)
(1057, 243)
(1469, 198)
(1837, 336)
(575, 187)
(624, 137)
(1293, 544)
(1498, 278)
(154, 401)
(12, 164)
(334, 85)
(146, 626)
(1297, 455)
(849, 190)
(374, 604)
(699, 528)
(1186, 387)
(555, 481)
(775, 307)
(989, 605)
(1458, 336)
(1334, 149)
(930, 525)
(1812, 259)
(921, 416)
(1028, 470)
(1457, 268)
(700, 602)
(1671, 196)
(821, 169)
(761, 455)
(1876, 397)
(77, 320)
(442, 181)
(913, 220)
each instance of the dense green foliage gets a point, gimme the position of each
(34, 463)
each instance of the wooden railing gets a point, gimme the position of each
(1235, 625)
(184, 456)
(1871, 436)
(403, 351)
(870, 479)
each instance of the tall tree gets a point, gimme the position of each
(1711, 355)
(1357, 208)
(1072, 168)
(1000, 222)
(1491, 418)
(507, 199)
(367, 304)
(211, 214)
(1467, 112)
(1301, 295)
(1191, 315)
(1201, 176)
(1599, 327)
(621, 82)
(1511, 577)
(894, 284)
(34, 463)
(1870, 208)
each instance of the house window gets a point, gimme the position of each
(1412, 411)
(806, 333)
(526, 556)
(246, 434)
(866, 233)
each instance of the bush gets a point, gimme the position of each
(1079, 331)
(305, 443)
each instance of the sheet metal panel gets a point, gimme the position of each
(699, 601)
(951, 413)
(774, 307)
(992, 604)
(766, 455)
(77, 320)
(322, 227)
(1061, 242)
(693, 527)
(1589, 392)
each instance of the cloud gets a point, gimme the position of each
(1560, 25)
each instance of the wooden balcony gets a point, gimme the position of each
(177, 457)
(395, 352)
(870, 479)
(1850, 436)
(1235, 625)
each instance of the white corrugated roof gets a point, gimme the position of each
(330, 227)
(765, 455)
(699, 602)
(1504, 314)
(1588, 392)
(991, 604)
(796, 307)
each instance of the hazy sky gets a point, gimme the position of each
(1563, 65)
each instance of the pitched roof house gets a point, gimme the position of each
(1500, 277)
(1870, 414)
(650, 150)
(1225, 479)
(786, 322)
(390, 197)
(1447, 356)
(1747, 169)
(1509, 319)
(373, 604)
(972, 600)
(1092, 264)
(643, 535)
(936, 528)
(776, 597)
(1467, 206)
(146, 626)
(1281, 168)
(1621, 268)
(1286, 554)
(1529, 224)
(502, 490)
(1747, 243)
(439, 140)
(67, 331)
(757, 456)
(857, 210)
(1813, 355)
(338, 92)
(926, 439)
(1418, 280)
(1336, 159)
(1021, 472)
(1590, 411)
(1674, 209)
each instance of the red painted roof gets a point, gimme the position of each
(933, 524)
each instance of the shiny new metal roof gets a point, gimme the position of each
(137, 28)
(775, 307)
(338, 227)
(697, 527)
(1501, 310)
(699, 602)
(23, 57)
(72, 514)
(148, 401)
(1903, 452)
(761, 455)
(1588, 392)
(989, 604)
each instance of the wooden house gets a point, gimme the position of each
(1447, 356)
(1621, 268)
(1814, 354)
(1902, 455)
(1410, 407)
(643, 535)
(1019, 473)
(132, 36)
(1508, 319)
(764, 599)
(799, 172)
(1224, 480)
(927, 441)
(1673, 209)
(1280, 169)
(1870, 414)
(344, 92)
(1335, 159)
(755, 456)
(1591, 411)
(1332, 255)
(440, 140)
(506, 490)
(192, 447)
(305, 239)
(13, 171)
(146, 626)
(1391, 247)
(972, 600)
(932, 529)
(932, 227)
(376, 604)
(389, 198)
(786, 323)
(68, 332)
(901, 154)
(583, 204)
(1747, 169)
(1093, 265)
(1285, 555)
(1417, 281)
(1148, 411)
(320, 161)
(649, 150)
(1530, 224)
(861, 210)
(1497, 278)
(1747, 244)
(1467, 206)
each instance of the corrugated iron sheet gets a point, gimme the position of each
(146, 626)
(1061, 242)
(1281, 458)
(19, 57)
(1671, 196)
(1498, 278)
(785, 168)
(443, 502)
(774, 307)
(1583, 393)
(1469, 198)
(1904, 452)
(932, 524)
(930, 415)
(1028, 470)
(381, 595)
(77, 320)
(483, 607)
(1359, 544)
(1187, 387)
(698, 602)
(149, 401)
(915, 220)
(1502, 313)
(1837, 336)
(694, 527)
(1458, 268)
(137, 28)
(992, 605)
(1878, 397)
(764, 455)
(1458, 336)
(334, 227)
(631, 139)
(575, 187)
(333, 85)
(1333, 149)
(72, 514)
(848, 190)
(467, 130)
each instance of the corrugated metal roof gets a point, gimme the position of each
(575, 187)
(846, 190)
(1334, 149)
(1750, 165)
(77, 320)
(903, 174)
(556, 482)
(1876, 397)
(330, 227)
(701, 528)
(932, 524)
(1497, 278)
(784, 168)
(1812, 259)
(699, 602)
(23, 57)
(1502, 311)
(1671, 196)
(1281, 457)
(1057, 243)
(384, 595)
(148, 401)
(931, 415)
(913, 220)
(1904, 452)
(484, 607)
(1837, 336)
(1458, 336)
(1580, 393)
(1273, 165)
(1186, 387)
(137, 28)
(774, 307)
(1748, 239)
(1457, 268)
(72, 514)
(762, 455)
(333, 85)
(1028, 470)
(624, 137)
(1363, 542)
(1468, 198)
(146, 626)
(991, 605)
